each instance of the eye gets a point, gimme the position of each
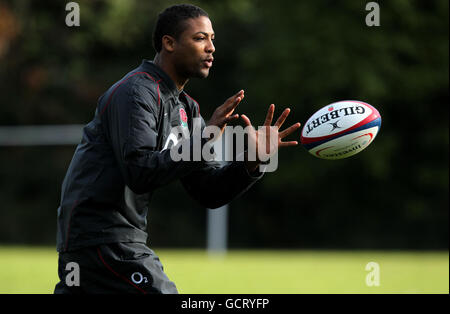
(199, 38)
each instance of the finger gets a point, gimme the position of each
(241, 92)
(286, 144)
(268, 139)
(236, 103)
(269, 115)
(289, 130)
(233, 98)
(231, 118)
(246, 120)
(233, 101)
(282, 118)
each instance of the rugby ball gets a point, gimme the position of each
(341, 129)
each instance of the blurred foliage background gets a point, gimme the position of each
(298, 54)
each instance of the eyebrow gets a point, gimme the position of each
(204, 33)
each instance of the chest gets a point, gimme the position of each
(177, 122)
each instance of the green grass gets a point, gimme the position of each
(34, 270)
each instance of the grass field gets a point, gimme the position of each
(34, 270)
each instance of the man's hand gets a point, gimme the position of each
(224, 114)
(268, 135)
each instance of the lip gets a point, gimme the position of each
(208, 62)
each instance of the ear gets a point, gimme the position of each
(168, 43)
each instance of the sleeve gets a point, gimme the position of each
(130, 121)
(218, 183)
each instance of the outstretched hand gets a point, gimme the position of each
(268, 136)
(224, 113)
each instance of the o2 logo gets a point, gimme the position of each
(138, 278)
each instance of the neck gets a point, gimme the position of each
(169, 68)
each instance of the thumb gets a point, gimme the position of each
(246, 120)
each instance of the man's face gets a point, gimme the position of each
(194, 48)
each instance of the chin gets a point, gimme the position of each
(202, 73)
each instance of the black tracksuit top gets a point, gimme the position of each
(120, 161)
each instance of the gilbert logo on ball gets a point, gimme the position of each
(341, 129)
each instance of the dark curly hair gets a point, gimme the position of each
(171, 22)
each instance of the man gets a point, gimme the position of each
(125, 155)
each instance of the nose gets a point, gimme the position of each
(210, 47)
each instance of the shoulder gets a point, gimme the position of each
(143, 85)
(136, 87)
(140, 88)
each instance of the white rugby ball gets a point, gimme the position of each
(341, 129)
